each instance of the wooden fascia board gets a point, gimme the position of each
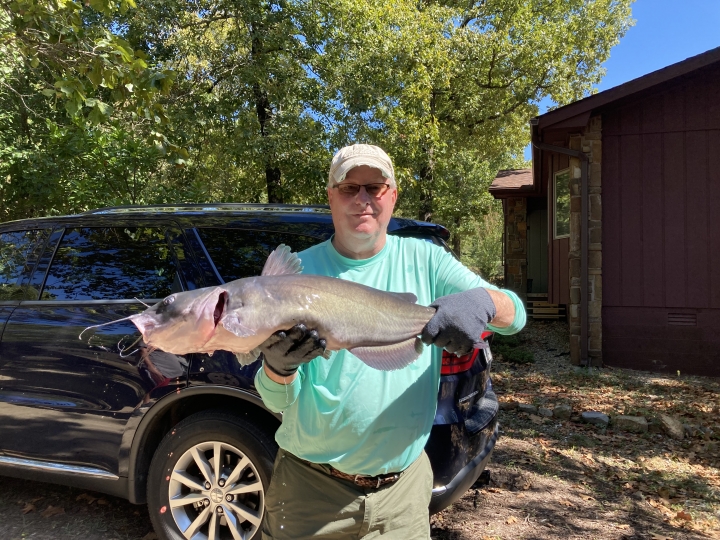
(631, 87)
(512, 192)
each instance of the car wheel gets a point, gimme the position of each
(208, 479)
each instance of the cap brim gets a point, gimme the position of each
(356, 161)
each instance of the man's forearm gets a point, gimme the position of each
(504, 309)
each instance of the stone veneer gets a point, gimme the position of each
(590, 142)
(515, 209)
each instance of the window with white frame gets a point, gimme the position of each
(561, 181)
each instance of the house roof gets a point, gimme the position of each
(584, 106)
(511, 181)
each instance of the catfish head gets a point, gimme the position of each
(182, 322)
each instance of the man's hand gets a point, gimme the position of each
(459, 321)
(284, 352)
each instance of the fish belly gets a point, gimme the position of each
(223, 340)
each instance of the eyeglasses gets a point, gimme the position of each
(350, 190)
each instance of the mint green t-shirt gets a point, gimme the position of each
(356, 418)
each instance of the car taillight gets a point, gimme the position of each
(452, 364)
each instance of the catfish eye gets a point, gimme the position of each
(169, 300)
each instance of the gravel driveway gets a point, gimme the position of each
(49, 512)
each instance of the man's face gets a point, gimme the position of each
(362, 216)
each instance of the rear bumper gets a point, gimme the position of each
(444, 496)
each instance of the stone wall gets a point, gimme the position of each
(516, 245)
(590, 142)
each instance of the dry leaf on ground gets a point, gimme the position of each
(29, 507)
(86, 497)
(51, 511)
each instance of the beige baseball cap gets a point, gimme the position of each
(360, 154)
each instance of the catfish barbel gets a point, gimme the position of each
(381, 328)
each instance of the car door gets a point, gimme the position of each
(68, 394)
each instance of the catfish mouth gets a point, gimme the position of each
(220, 307)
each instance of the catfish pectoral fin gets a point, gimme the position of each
(231, 322)
(390, 357)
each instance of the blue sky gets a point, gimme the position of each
(665, 32)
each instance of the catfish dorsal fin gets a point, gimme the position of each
(281, 262)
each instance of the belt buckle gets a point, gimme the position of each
(365, 481)
(362, 480)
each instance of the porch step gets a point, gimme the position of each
(538, 307)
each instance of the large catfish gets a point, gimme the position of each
(380, 328)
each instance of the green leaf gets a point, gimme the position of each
(104, 108)
(71, 107)
(95, 75)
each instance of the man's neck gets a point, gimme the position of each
(353, 248)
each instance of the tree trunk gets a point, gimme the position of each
(272, 178)
(427, 174)
(456, 241)
(263, 109)
(426, 193)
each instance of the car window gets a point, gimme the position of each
(112, 263)
(18, 254)
(239, 253)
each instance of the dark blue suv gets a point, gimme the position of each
(188, 435)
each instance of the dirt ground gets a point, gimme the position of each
(549, 479)
(565, 479)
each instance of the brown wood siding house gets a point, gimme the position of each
(648, 256)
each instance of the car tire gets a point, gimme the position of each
(193, 495)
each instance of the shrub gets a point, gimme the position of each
(511, 350)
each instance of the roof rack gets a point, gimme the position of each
(209, 207)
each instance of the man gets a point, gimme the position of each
(351, 462)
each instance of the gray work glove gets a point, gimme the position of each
(459, 321)
(284, 352)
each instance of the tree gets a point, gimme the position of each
(246, 98)
(74, 52)
(76, 102)
(467, 79)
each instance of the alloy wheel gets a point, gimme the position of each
(215, 493)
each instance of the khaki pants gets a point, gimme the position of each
(303, 501)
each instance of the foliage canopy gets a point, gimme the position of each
(111, 102)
